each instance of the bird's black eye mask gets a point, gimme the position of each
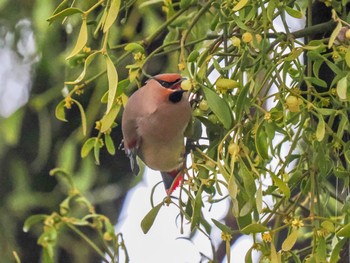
(168, 84)
(176, 96)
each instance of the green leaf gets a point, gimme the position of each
(82, 114)
(60, 111)
(344, 231)
(254, 228)
(87, 147)
(335, 256)
(271, 9)
(321, 128)
(282, 186)
(112, 75)
(224, 228)
(192, 57)
(109, 118)
(87, 62)
(232, 187)
(316, 81)
(274, 255)
(64, 13)
(134, 48)
(109, 144)
(197, 208)
(81, 41)
(347, 57)
(259, 199)
(294, 54)
(261, 141)
(241, 102)
(342, 87)
(32, 220)
(289, 242)
(184, 4)
(240, 5)
(97, 147)
(112, 14)
(246, 208)
(219, 106)
(293, 13)
(334, 34)
(148, 220)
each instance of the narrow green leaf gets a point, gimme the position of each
(347, 57)
(192, 57)
(87, 62)
(60, 111)
(248, 256)
(241, 102)
(219, 106)
(295, 53)
(112, 82)
(246, 208)
(261, 141)
(316, 81)
(148, 220)
(197, 209)
(32, 220)
(325, 111)
(321, 128)
(271, 9)
(109, 118)
(289, 242)
(184, 4)
(248, 180)
(97, 147)
(282, 186)
(254, 228)
(109, 144)
(274, 256)
(134, 47)
(112, 14)
(87, 147)
(293, 13)
(335, 256)
(240, 5)
(259, 200)
(344, 231)
(222, 227)
(334, 34)
(232, 187)
(61, 7)
(83, 116)
(64, 13)
(81, 40)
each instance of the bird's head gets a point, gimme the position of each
(169, 80)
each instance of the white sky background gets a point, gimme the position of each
(16, 68)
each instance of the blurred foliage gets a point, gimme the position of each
(276, 128)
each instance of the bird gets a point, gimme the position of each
(154, 121)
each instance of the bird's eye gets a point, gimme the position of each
(167, 84)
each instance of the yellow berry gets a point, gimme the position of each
(293, 103)
(186, 84)
(236, 42)
(203, 105)
(226, 84)
(258, 38)
(247, 37)
(347, 34)
(233, 148)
